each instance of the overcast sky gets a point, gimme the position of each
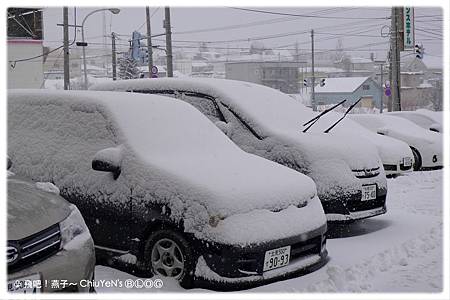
(329, 23)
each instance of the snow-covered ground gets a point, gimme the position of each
(400, 251)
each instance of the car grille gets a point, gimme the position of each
(366, 173)
(33, 249)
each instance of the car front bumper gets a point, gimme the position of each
(351, 208)
(223, 266)
(69, 266)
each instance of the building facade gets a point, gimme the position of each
(280, 75)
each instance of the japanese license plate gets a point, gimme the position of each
(407, 161)
(369, 192)
(276, 258)
(30, 284)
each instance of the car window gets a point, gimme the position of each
(204, 103)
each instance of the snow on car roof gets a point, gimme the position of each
(268, 111)
(393, 123)
(171, 136)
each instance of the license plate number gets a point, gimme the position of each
(407, 161)
(369, 192)
(276, 258)
(25, 285)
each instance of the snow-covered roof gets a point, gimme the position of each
(360, 60)
(341, 85)
(323, 69)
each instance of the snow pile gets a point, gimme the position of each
(359, 277)
(47, 187)
(247, 228)
(172, 155)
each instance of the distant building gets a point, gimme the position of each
(280, 75)
(350, 88)
(421, 83)
(25, 50)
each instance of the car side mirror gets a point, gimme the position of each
(8, 163)
(108, 160)
(225, 127)
(435, 127)
(382, 131)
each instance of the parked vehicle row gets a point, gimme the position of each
(203, 180)
(426, 145)
(348, 174)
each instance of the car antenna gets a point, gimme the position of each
(316, 118)
(348, 110)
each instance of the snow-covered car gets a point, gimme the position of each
(48, 240)
(154, 178)
(424, 120)
(348, 174)
(396, 155)
(426, 145)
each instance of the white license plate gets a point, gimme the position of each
(276, 258)
(407, 161)
(25, 285)
(369, 192)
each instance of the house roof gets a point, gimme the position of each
(341, 85)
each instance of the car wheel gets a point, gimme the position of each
(417, 159)
(168, 254)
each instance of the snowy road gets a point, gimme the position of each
(397, 252)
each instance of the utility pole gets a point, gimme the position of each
(395, 58)
(167, 26)
(313, 81)
(66, 47)
(113, 55)
(149, 43)
(381, 87)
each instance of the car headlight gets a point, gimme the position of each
(72, 226)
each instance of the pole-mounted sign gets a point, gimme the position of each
(408, 28)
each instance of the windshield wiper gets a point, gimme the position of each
(316, 118)
(348, 110)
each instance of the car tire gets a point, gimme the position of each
(417, 159)
(167, 253)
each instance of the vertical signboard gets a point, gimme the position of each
(408, 28)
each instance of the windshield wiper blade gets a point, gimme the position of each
(348, 110)
(316, 118)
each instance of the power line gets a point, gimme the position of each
(14, 62)
(309, 16)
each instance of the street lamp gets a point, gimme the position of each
(114, 11)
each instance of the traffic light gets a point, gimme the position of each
(418, 49)
(305, 82)
(322, 82)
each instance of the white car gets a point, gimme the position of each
(154, 178)
(396, 155)
(426, 145)
(425, 120)
(348, 174)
